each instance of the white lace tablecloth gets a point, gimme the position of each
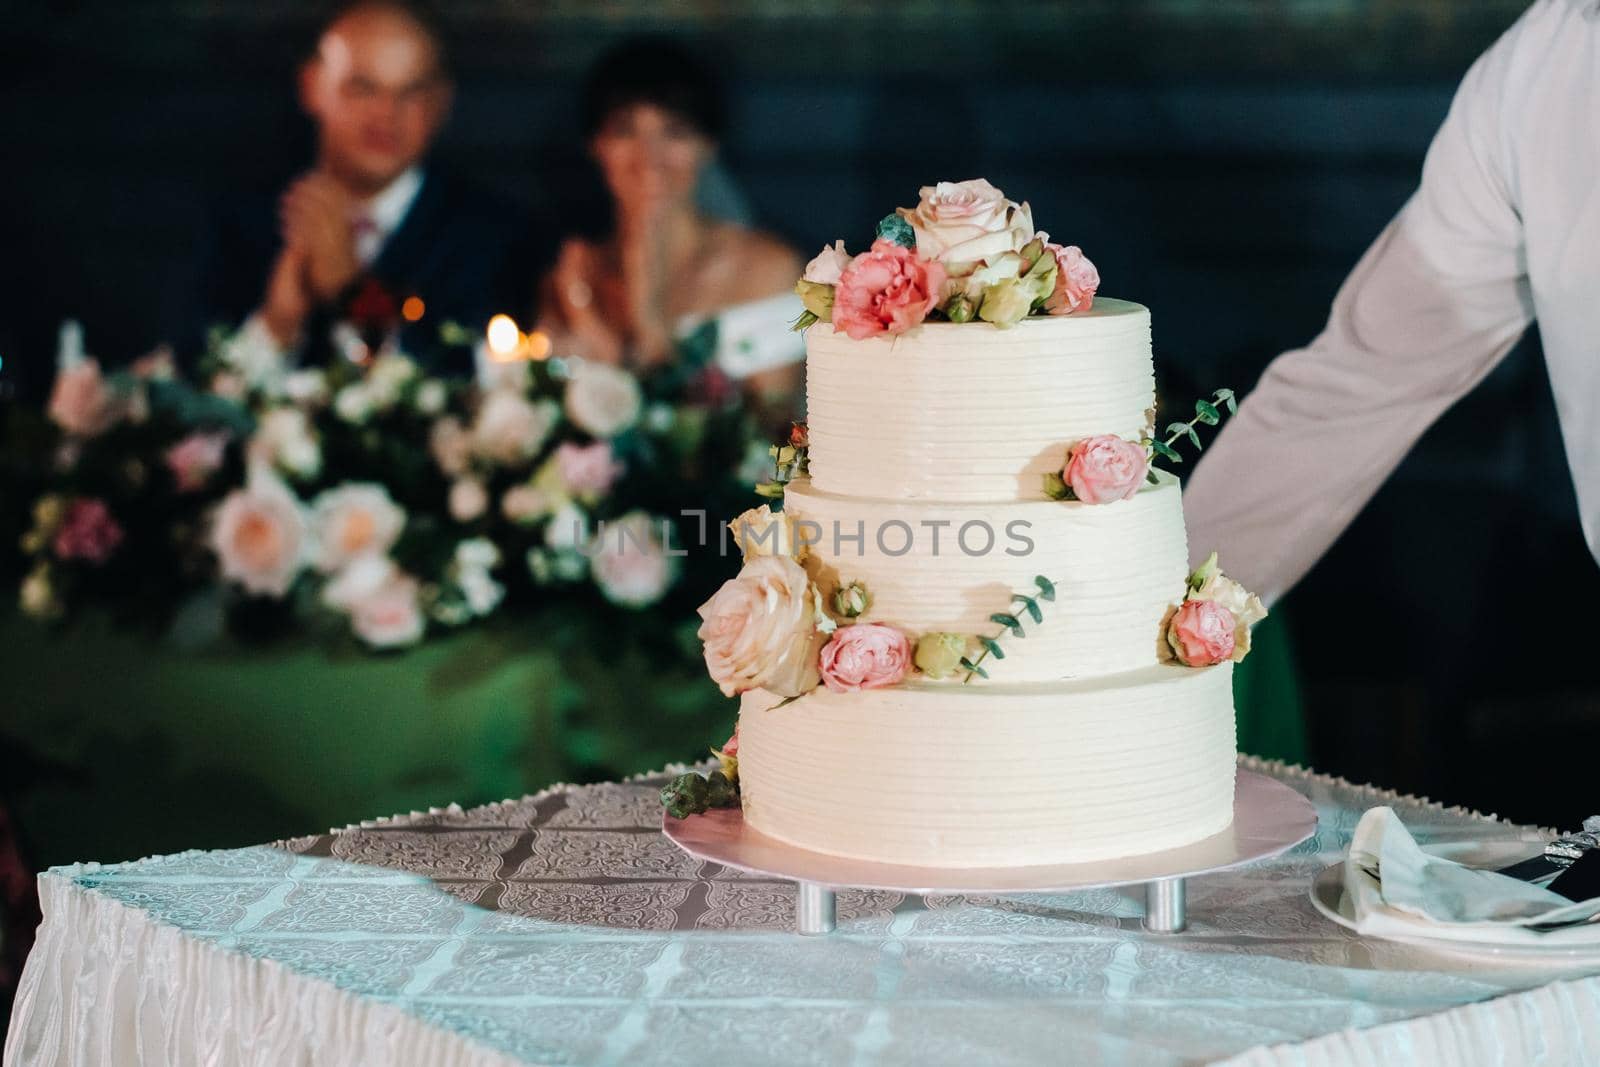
(563, 928)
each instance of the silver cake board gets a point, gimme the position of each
(1269, 818)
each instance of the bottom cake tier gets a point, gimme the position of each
(987, 775)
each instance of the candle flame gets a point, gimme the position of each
(504, 338)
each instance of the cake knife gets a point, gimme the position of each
(1558, 855)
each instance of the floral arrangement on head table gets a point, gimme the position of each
(964, 253)
(365, 497)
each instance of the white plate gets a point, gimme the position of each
(1329, 898)
(1268, 818)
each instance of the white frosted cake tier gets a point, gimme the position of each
(994, 775)
(970, 412)
(1117, 569)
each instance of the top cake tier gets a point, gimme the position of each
(970, 412)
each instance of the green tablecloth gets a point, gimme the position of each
(115, 746)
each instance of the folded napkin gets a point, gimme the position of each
(1395, 889)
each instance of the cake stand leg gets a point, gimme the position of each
(1165, 910)
(814, 911)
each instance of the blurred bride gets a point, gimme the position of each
(652, 116)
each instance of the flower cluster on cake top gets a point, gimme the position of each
(964, 253)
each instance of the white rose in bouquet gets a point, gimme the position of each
(473, 561)
(510, 429)
(431, 397)
(390, 617)
(526, 504)
(603, 400)
(961, 224)
(469, 499)
(629, 562)
(259, 535)
(451, 446)
(569, 528)
(356, 519)
(357, 580)
(389, 374)
(307, 387)
(355, 403)
(284, 439)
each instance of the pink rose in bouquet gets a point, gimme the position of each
(886, 290)
(1201, 633)
(587, 470)
(1076, 281)
(81, 402)
(866, 655)
(87, 532)
(1105, 468)
(630, 563)
(195, 459)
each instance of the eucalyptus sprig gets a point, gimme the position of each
(789, 460)
(1208, 412)
(1009, 623)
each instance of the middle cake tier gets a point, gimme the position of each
(1117, 569)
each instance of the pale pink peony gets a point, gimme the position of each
(195, 459)
(760, 630)
(587, 470)
(1076, 280)
(886, 290)
(259, 535)
(356, 519)
(1105, 468)
(87, 532)
(391, 617)
(961, 224)
(629, 562)
(81, 402)
(1201, 633)
(865, 655)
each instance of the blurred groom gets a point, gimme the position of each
(371, 229)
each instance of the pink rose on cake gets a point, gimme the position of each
(960, 224)
(886, 290)
(1105, 468)
(1208, 583)
(865, 655)
(1201, 633)
(1077, 279)
(760, 630)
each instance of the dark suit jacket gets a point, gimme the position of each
(465, 252)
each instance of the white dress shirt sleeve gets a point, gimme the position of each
(1432, 306)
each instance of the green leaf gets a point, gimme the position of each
(1194, 437)
(973, 668)
(770, 490)
(806, 320)
(1055, 488)
(1166, 451)
(1150, 476)
(896, 229)
(993, 646)
(1011, 622)
(1047, 588)
(1031, 604)
(1225, 397)
(1207, 412)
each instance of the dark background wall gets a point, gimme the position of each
(1223, 161)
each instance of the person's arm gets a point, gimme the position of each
(1435, 303)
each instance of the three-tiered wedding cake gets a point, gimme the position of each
(966, 639)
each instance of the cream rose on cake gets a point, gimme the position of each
(1208, 583)
(960, 224)
(760, 630)
(763, 532)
